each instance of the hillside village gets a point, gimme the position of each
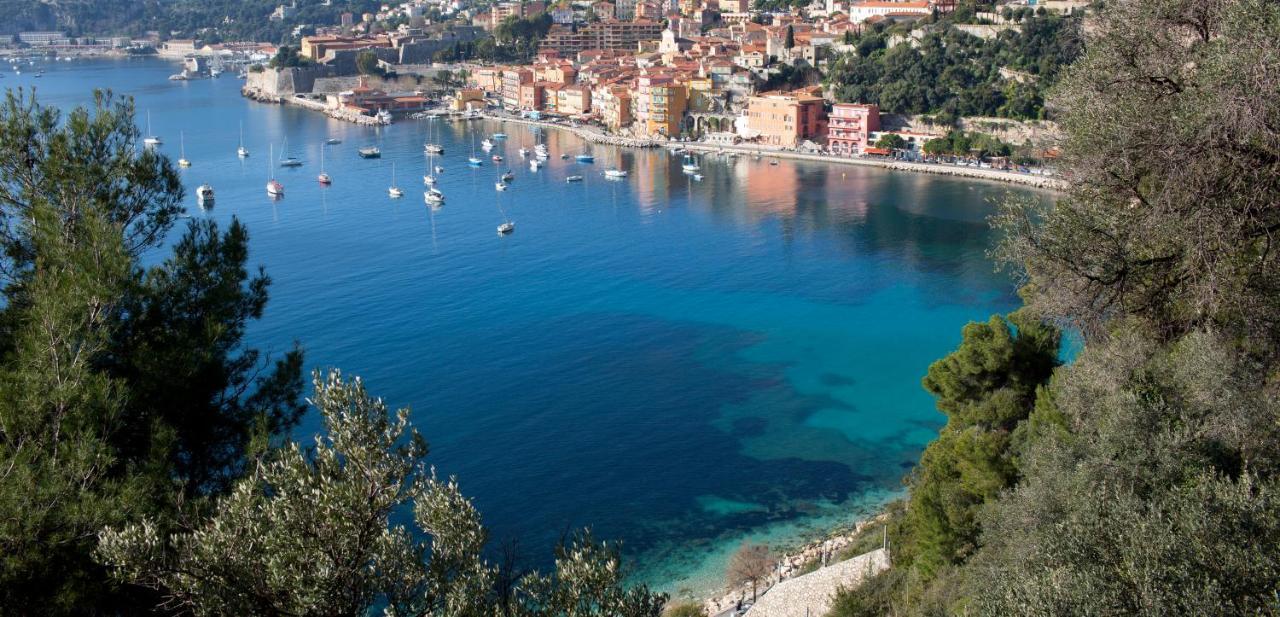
(726, 72)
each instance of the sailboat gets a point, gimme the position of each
(285, 159)
(182, 151)
(473, 161)
(323, 178)
(434, 196)
(431, 147)
(151, 139)
(507, 226)
(274, 188)
(394, 190)
(242, 151)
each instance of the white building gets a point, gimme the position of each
(859, 12)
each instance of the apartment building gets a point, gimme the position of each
(612, 35)
(849, 127)
(786, 119)
(512, 80)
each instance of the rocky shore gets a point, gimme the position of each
(792, 564)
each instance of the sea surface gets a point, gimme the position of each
(679, 365)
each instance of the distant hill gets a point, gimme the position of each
(209, 19)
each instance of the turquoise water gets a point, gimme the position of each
(678, 364)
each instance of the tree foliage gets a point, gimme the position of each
(953, 74)
(750, 564)
(310, 532)
(986, 388)
(1169, 219)
(1142, 478)
(127, 389)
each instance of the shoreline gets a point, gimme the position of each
(792, 563)
(973, 173)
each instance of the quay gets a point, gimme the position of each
(594, 136)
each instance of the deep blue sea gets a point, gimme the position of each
(677, 364)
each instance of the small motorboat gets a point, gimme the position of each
(697, 177)
(291, 161)
(524, 152)
(499, 135)
(204, 195)
(275, 189)
(486, 144)
(564, 156)
(507, 176)
(690, 164)
(535, 165)
(433, 149)
(496, 158)
(371, 152)
(615, 173)
(585, 158)
(773, 162)
(501, 186)
(242, 152)
(332, 141)
(573, 179)
(434, 197)
(506, 228)
(439, 169)
(475, 162)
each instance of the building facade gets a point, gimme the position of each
(786, 119)
(849, 127)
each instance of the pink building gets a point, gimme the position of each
(849, 127)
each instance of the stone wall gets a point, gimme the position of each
(287, 81)
(1040, 133)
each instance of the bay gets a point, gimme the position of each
(679, 365)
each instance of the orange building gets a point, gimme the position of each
(532, 96)
(573, 100)
(786, 119)
(667, 103)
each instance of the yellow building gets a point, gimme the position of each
(467, 99)
(667, 103)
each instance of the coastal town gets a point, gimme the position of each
(741, 75)
(750, 355)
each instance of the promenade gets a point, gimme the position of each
(596, 135)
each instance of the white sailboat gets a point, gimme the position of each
(151, 139)
(182, 151)
(274, 188)
(506, 226)
(323, 178)
(285, 159)
(242, 151)
(394, 190)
